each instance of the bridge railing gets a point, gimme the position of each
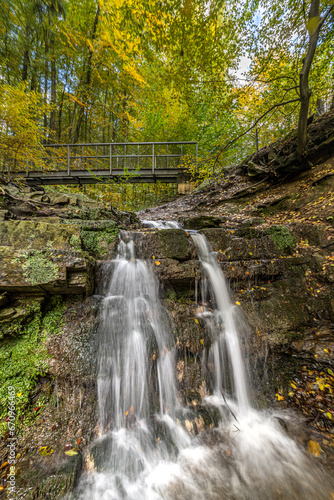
(115, 157)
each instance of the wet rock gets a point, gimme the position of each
(167, 244)
(171, 271)
(201, 222)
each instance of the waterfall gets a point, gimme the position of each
(134, 328)
(144, 451)
(227, 334)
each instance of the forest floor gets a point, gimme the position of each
(236, 197)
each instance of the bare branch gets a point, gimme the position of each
(254, 124)
(326, 15)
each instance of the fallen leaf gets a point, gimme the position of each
(45, 451)
(238, 303)
(314, 448)
(4, 465)
(202, 341)
(157, 263)
(79, 441)
(196, 321)
(37, 408)
(71, 452)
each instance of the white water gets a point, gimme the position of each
(227, 334)
(145, 451)
(161, 224)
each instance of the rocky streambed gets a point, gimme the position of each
(52, 274)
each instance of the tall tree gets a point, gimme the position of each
(314, 25)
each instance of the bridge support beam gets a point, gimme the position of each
(184, 183)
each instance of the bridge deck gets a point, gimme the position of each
(170, 175)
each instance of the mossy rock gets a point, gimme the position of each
(174, 244)
(30, 234)
(282, 238)
(100, 243)
(201, 222)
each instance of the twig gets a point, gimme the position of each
(229, 408)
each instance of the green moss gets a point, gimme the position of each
(97, 242)
(24, 358)
(174, 243)
(75, 242)
(37, 266)
(282, 238)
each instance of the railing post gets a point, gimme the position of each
(68, 159)
(152, 158)
(138, 158)
(110, 159)
(167, 157)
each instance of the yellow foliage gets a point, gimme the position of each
(21, 134)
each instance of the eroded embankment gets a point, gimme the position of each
(274, 248)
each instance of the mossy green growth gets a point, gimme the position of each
(174, 243)
(37, 266)
(24, 358)
(75, 242)
(282, 238)
(97, 242)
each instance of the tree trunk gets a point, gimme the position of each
(46, 77)
(52, 132)
(25, 65)
(88, 78)
(314, 26)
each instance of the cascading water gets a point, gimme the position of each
(145, 452)
(160, 224)
(227, 334)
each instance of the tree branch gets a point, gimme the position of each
(254, 124)
(326, 15)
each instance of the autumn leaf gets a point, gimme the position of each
(45, 451)
(238, 303)
(79, 441)
(4, 465)
(71, 452)
(314, 448)
(157, 263)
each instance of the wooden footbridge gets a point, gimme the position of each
(135, 162)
